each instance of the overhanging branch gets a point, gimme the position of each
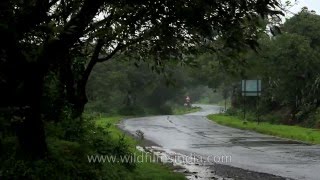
(109, 56)
(121, 47)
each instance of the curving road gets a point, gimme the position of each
(251, 153)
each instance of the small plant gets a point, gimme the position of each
(140, 134)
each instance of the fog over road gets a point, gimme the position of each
(194, 133)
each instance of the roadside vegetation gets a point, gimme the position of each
(146, 169)
(71, 142)
(307, 135)
(288, 65)
(180, 110)
(226, 104)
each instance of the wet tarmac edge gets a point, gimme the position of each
(222, 170)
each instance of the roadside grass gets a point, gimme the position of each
(70, 144)
(180, 110)
(291, 132)
(143, 170)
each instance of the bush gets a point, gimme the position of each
(165, 109)
(131, 110)
(233, 112)
(272, 118)
(69, 144)
(312, 119)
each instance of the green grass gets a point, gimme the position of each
(110, 125)
(291, 132)
(145, 170)
(180, 110)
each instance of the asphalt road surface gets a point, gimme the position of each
(253, 155)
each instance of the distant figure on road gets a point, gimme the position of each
(187, 102)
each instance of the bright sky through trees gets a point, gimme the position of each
(311, 4)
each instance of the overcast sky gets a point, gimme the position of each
(311, 4)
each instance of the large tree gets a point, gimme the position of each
(69, 38)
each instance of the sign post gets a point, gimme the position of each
(250, 88)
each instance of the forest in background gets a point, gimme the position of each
(287, 62)
(121, 87)
(288, 65)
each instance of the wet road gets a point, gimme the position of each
(194, 133)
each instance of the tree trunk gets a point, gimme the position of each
(31, 134)
(81, 101)
(30, 130)
(30, 127)
(75, 91)
(80, 96)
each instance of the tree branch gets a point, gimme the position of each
(120, 47)
(74, 29)
(93, 61)
(53, 2)
(109, 56)
(31, 16)
(104, 22)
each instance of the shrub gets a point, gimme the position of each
(69, 144)
(131, 110)
(165, 109)
(272, 118)
(231, 112)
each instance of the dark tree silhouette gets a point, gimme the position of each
(68, 38)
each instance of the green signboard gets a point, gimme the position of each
(251, 87)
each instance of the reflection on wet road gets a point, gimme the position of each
(194, 133)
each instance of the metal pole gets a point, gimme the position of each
(225, 104)
(258, 99)
(244, 100)
(258, 113)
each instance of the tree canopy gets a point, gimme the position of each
(64, 40)
(288, 64)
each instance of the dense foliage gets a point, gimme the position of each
(120, 87)
(288, 64)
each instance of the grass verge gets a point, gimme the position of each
(291, 132)
(143, 170)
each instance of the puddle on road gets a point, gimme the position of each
(191, 166)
